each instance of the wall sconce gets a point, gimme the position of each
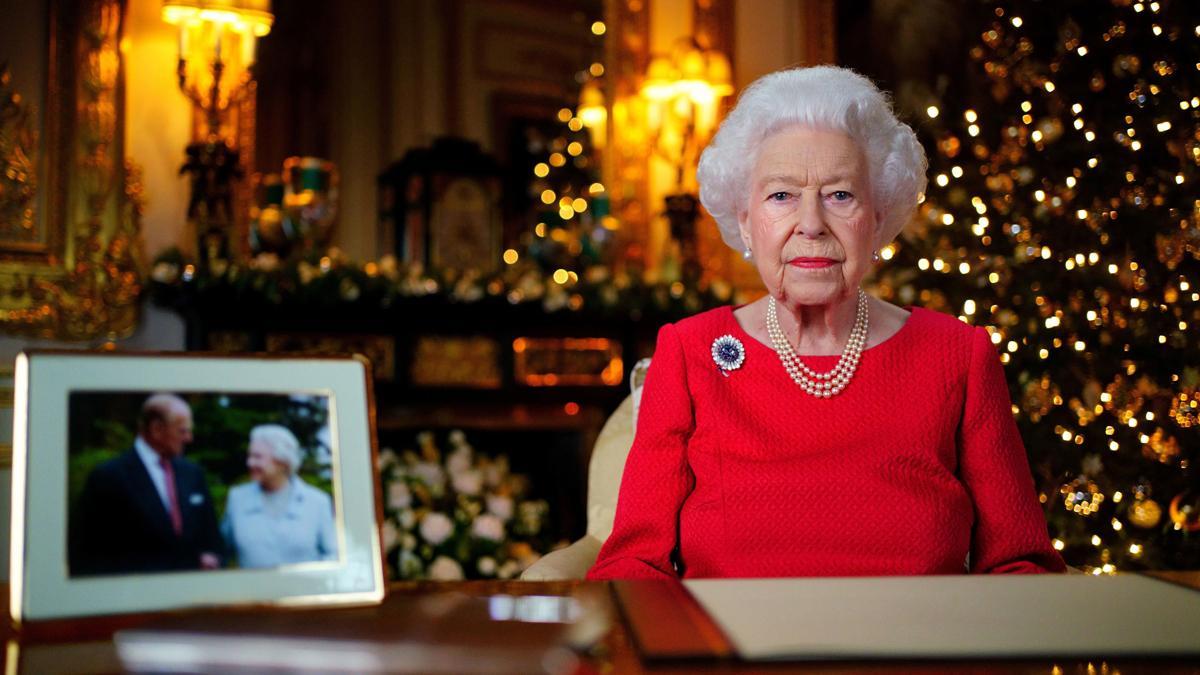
(217, 40)
(683, 91)
(593, 112)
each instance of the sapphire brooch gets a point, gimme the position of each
(728, 353)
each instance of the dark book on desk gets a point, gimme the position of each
(439, 633)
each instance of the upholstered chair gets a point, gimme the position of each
(604, 481)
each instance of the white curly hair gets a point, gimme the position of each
(282, 442)
(826, 97)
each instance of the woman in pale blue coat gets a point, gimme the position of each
(277, 518)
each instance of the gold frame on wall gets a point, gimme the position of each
(76, 276)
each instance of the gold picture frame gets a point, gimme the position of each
(70, 203)
(98, 538)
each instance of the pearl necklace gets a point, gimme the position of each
(821, 385)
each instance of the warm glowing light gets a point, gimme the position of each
(598, 28)
(574, 124)
(561, 276)
(932, 111)
(557, 159)
(541, 169)
(511, 256)
(1016, 22)
(548, 196)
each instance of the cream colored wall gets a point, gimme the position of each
(767, 37)
(157, 121)
(670, 20)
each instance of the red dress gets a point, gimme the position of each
(912, 467)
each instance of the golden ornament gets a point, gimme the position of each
(1145, 513)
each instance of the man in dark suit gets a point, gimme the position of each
(148, 509)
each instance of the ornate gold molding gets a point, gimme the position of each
(84, 282)
(18, 167)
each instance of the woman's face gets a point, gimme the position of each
(264, 468)
(810, 222)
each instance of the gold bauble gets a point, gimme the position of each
(1145, 513)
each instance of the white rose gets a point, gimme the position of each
(501, 505)
(488, 526)
(486, 566)
(436, 527)
(494, 473)
(509, 569)
(410, 565)
(468, 482)
(431, 474)
(407, 518)
(390, 534)
(445, 569)
(459, 460)
(387, 458)
(399, 497)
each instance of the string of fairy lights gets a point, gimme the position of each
(576, 207)
(1062, 215)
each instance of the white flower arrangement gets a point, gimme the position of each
(458, 515)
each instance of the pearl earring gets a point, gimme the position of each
(875, 256)
(746, 255)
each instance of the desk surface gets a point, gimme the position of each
(72, 647)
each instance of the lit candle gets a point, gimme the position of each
(247, 43)
(219, 31)
(183, 40)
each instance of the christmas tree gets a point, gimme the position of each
(1063, 214)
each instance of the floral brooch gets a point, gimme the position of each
(728, 353)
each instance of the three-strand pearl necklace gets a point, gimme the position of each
(821, 385)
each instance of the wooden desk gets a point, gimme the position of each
(76, 648)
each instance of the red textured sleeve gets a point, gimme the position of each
(1010, 531)
(657, 477)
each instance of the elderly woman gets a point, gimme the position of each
(277, 519)
(820, 431)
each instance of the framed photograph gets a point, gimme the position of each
(146, 482)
